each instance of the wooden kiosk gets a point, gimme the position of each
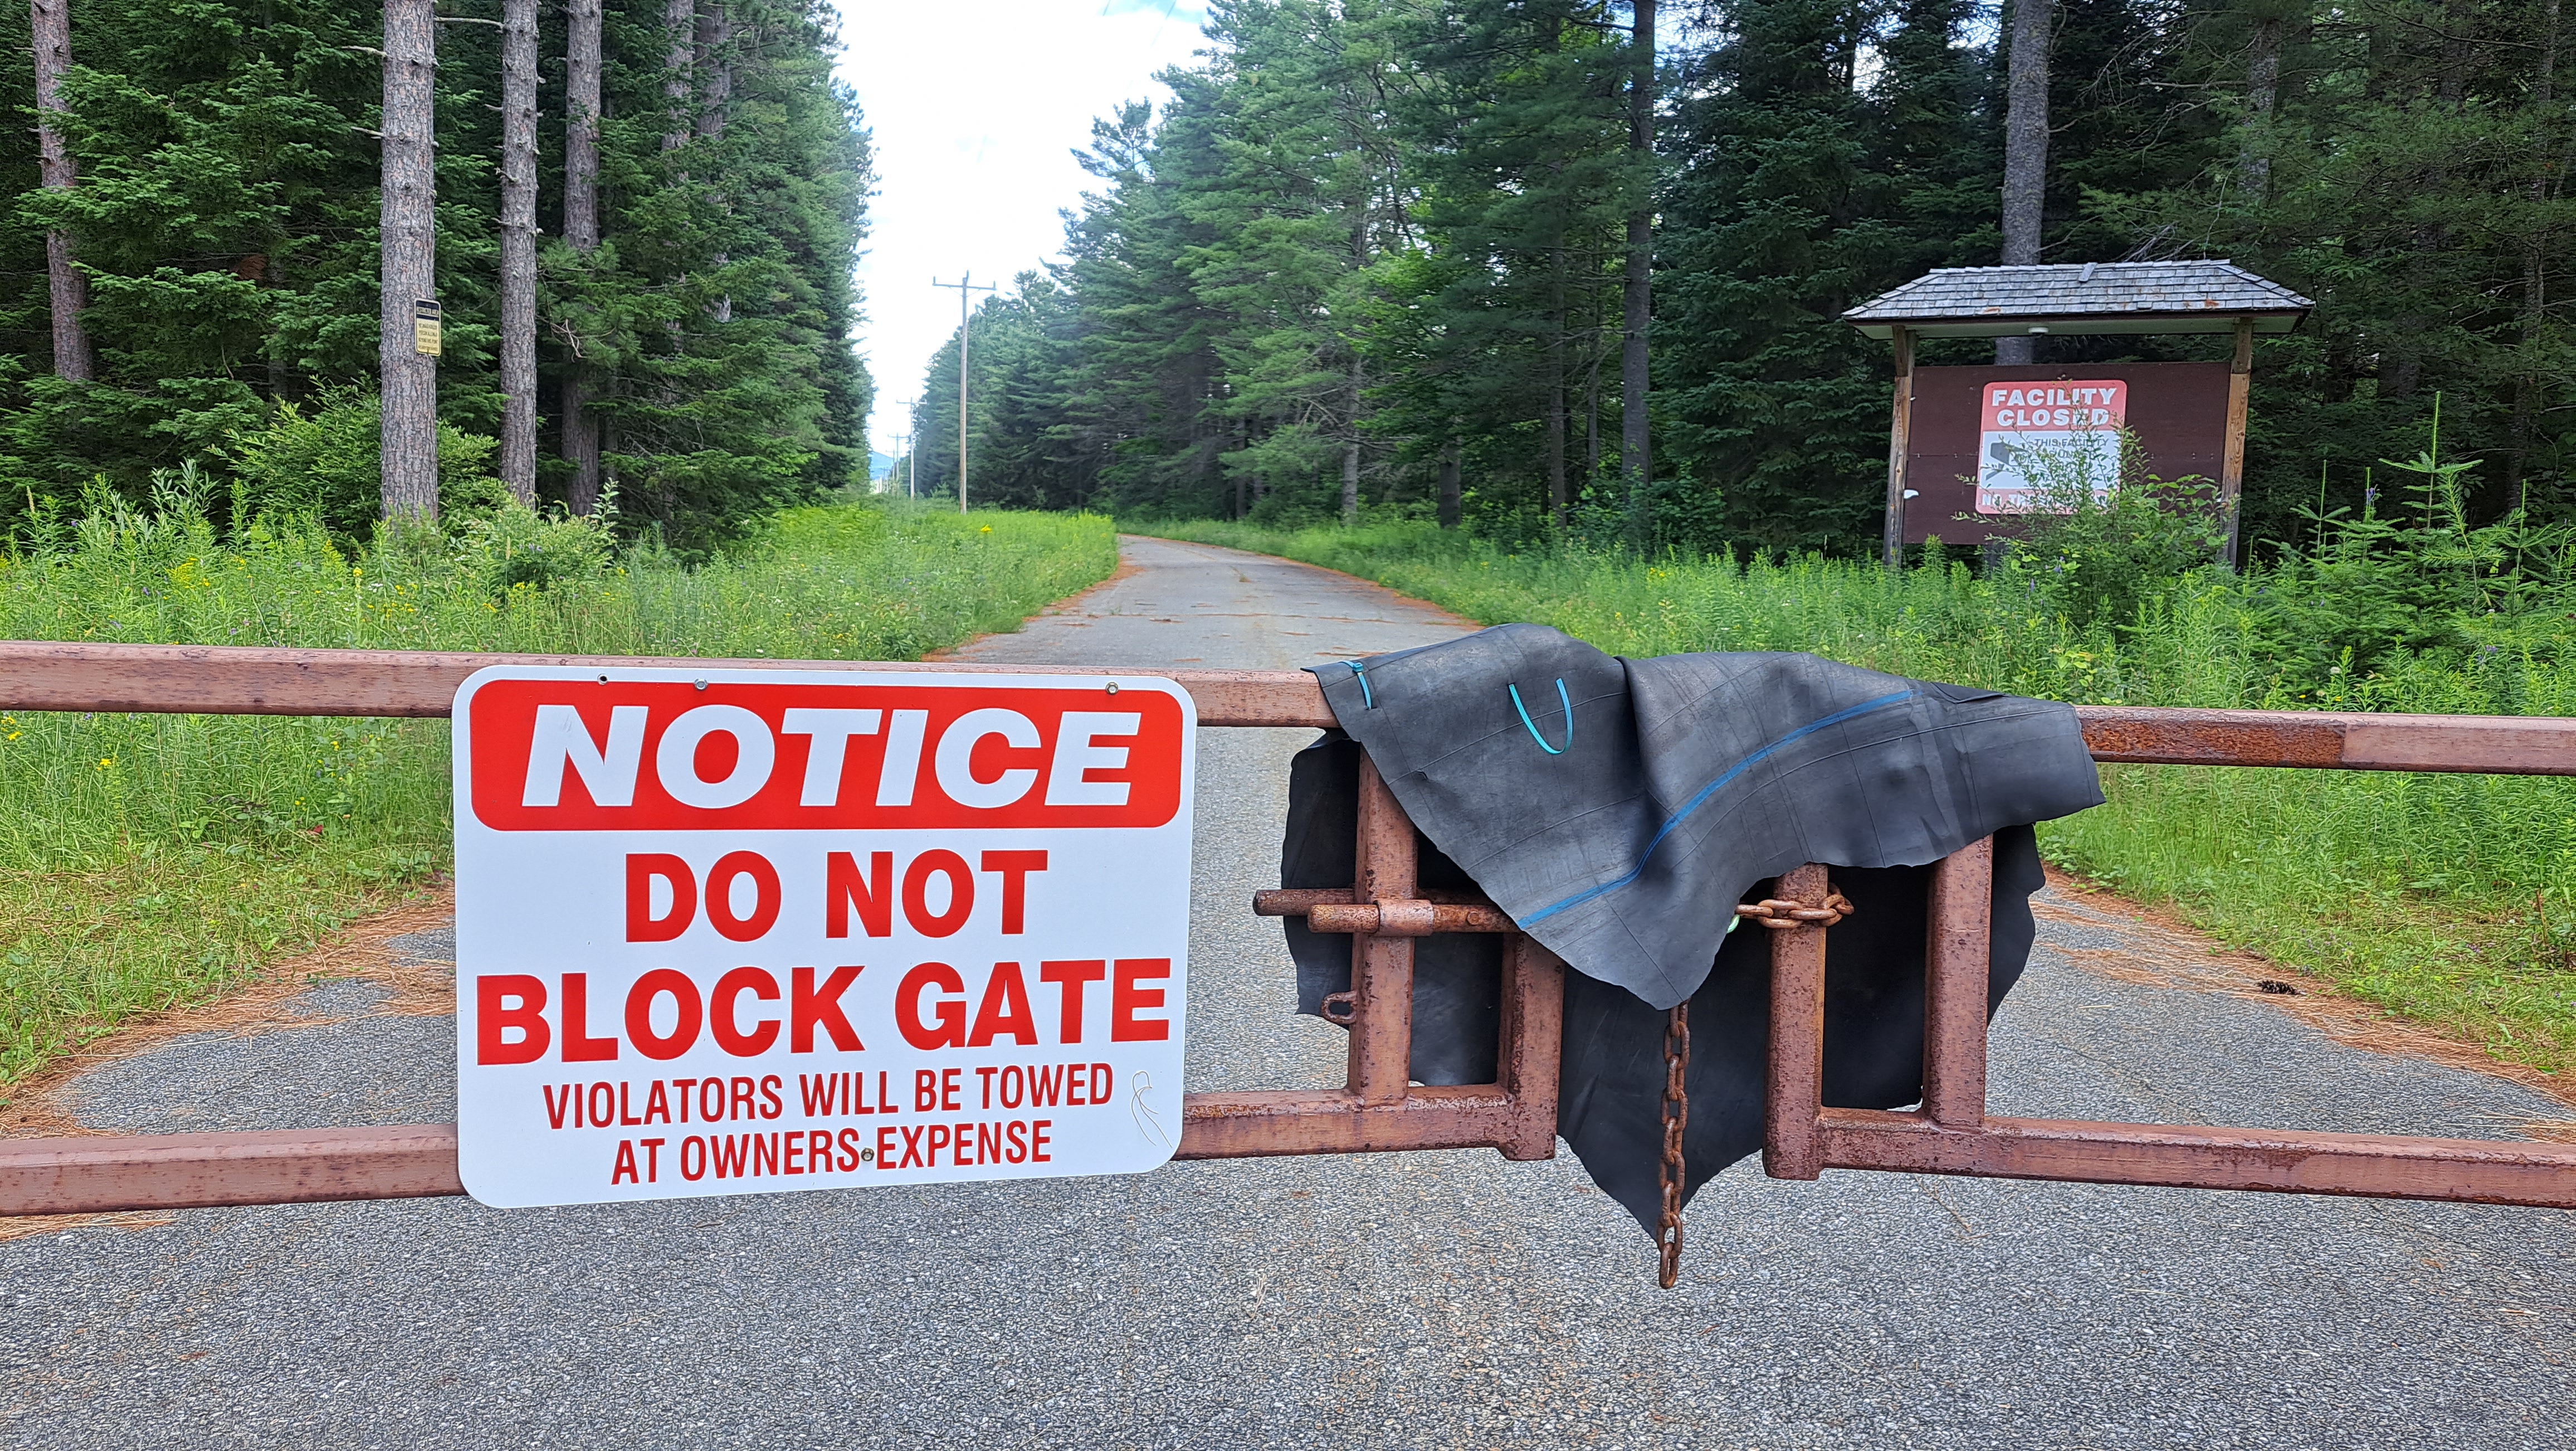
(1958, 432)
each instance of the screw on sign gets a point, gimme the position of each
(722, 932)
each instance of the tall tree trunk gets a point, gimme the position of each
(2262, 94)
(1636, 462)
(2403, 374)
(519, 249)
(1351, 449)
(1449, 491)
(2025, 151)
(581, 230)
(409, 244)
(2535, 251)
(680, 18)
(715, 65)
(51, 24)
(1352, 395)
(278, 382)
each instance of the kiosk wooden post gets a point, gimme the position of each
(2231, 477)
(1893, 544)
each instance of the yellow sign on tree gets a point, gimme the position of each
(424, 328)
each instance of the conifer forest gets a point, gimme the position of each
(1389, 254)
(639, 224)
(1533, 265)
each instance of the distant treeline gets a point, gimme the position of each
(1375, 246)
(224, 220)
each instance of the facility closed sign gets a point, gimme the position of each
(741, 931)
(2042, 444)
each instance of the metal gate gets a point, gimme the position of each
(1386, 911)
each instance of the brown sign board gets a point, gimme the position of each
(2177, 410)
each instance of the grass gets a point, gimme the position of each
(2450, 899)
(148, 861)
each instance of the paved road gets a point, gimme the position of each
(1433, 1300)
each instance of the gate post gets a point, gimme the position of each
(1791, 1148)
(1956, 967)
(1381, 963)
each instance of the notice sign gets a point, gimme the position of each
(742, 931)
(2040, 440)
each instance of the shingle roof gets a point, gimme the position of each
(2090, 297)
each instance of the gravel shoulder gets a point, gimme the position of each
(1430, 1300)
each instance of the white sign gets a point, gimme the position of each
(2039, 445)
(740, 931)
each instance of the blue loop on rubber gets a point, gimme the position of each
(1563, 702)
(1367, 701)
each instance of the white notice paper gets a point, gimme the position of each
(739, 931)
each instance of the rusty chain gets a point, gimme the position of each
(1668, 1238)
(1780, 916)
(1347, 1002)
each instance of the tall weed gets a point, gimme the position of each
(2450, 897)
(145, 860)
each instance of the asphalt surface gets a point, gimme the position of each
(1430, 1300)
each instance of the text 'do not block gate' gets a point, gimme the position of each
(732, 931)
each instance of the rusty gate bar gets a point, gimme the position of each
(1950, 1133)
(1958, 928)
(1380, 1108)
(1790, 1148)
(1381, 962)
(1383, 911)
(255, 680)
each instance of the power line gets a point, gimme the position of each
(965, 321)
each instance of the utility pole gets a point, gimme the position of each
(965, 320)
(909, 404)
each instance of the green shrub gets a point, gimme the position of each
(2448, 897)
(149, 860)
(323, 464)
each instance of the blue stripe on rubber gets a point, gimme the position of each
(1705, 792)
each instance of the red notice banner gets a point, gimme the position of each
(627, 755)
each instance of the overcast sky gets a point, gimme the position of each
(976, 107)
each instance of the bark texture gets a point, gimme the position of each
(1636, 460)
(2262, 93)
(2025, 151)
(680, 18)
(1351, 451)
(51, 25)
(2547, 172)
(715, 68)
(410, 377)
(581, 230)
(519, 248)
(715, 71)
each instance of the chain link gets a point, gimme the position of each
(1668, 1239)
(1780, 916)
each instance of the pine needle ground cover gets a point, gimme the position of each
(150, 860)
(2450, 899)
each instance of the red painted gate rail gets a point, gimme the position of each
(1385, 911)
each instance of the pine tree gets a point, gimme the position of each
(227, 216)
(51, 23)
(519, 249)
